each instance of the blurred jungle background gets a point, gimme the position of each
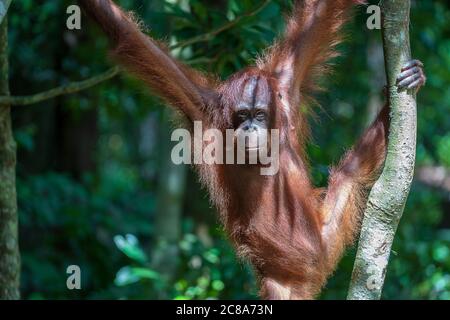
(96, 187)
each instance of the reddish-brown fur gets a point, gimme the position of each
(293, 233)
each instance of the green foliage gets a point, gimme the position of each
(443, 150)
(64, 222)
(205, 271)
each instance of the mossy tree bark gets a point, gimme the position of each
(388, 196)
(9, 247)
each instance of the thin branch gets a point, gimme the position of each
(208, 35)
(85, 84)
(64, 89)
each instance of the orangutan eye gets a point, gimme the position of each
(243, 115)
(260, 116)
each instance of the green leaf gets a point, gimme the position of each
(129, 275)
(129, 246)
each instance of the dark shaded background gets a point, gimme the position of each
(95, 185)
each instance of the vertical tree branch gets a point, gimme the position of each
(169, 210)
(388, 196)
(9, 247)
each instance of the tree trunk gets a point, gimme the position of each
(171, 190)
(388, 196)
(9, 245)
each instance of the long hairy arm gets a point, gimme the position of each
(182, 87)
(312, 33)
(349, 185)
